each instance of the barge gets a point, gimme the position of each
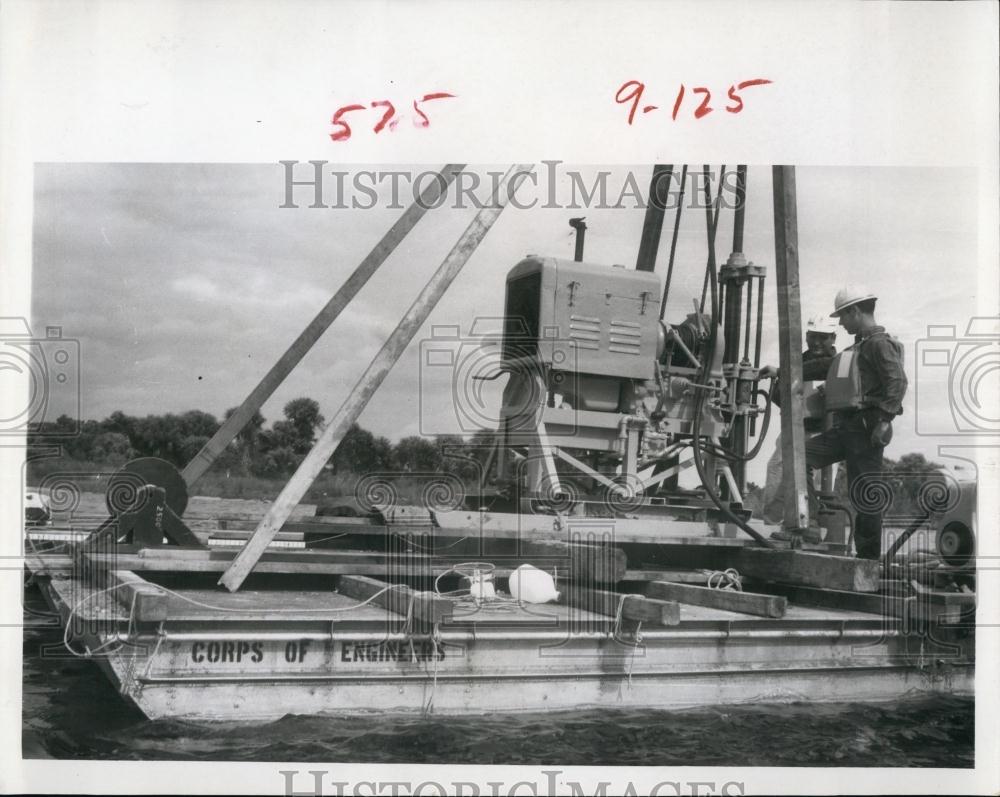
(660, 595)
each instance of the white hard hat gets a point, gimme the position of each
(848, 295)
(821, 325)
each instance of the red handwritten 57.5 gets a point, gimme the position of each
(388, 117)
(631, 91)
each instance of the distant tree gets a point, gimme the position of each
(279, 462)
(198, 423)
(302, 420)
(248, 440)
(112, 448)
(190, 446)
(459, 457)
(416, 454)
(361, 452)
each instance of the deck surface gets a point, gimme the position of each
(208, 605)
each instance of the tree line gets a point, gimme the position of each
(262, 450)
(274, 451)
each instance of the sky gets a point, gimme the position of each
(184, 283)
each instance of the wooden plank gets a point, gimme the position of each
(341, 563)
(674, 576)
(427, 607)
(510, 525)
(591, 564)
(634, 607)
(332, 435)
(786, 262)
(942, 597)
(730, 600)
(810, 569)
(150, 601)
(598, 564)
(884, 605)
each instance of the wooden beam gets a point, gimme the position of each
(786, 260)
(427, 607)
(369, 563)
(233, 425)
(635, 607)
(314, 462)
(884, 605)
(809, 569)
(150, 601)
(673, 576)
(594, 564)
(730, 600)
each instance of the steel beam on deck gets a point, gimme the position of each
(379, 368)
(786, 258)
(236, 422)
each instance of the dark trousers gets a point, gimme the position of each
(848, 441)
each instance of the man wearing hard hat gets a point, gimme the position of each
(821, 338)
(864, 390)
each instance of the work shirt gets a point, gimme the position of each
(880, 368)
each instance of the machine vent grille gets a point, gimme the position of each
(585, 331)
(625, 337)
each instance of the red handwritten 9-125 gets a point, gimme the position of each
(387, 119)
(699, 101)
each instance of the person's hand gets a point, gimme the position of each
(768, 372)
(881, 435)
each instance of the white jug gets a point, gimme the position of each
(528, 584)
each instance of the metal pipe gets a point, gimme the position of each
(236, 422)
(760, 323)
(652, 226)
(741, 201)
(314, 462)
(746, 334)
(712, 224)
(514, 636)
(673, 242)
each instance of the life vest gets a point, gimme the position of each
(843, 379)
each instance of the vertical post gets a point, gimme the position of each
(357, 400)
(203, 460)
(786, 258)
(652, 226)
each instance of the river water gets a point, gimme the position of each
(71, 712)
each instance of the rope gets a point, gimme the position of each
(429, 547)
(69, 622)
(729, 579)
(117, 637)
(204, 605)
(435, 640)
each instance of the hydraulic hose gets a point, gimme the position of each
(731, 455)
(702, 388)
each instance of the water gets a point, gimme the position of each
(72, 712)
